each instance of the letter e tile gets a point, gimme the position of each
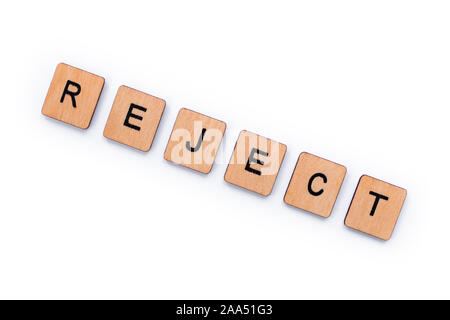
(134, 118)
(255, 163)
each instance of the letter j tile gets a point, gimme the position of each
(195, 140)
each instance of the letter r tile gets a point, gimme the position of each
(255, 163)
(315, 184)
(375, 207)
(195, 140)
(73, 96)
(134, 118)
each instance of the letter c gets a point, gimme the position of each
(313, 177)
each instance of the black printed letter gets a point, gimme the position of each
(251, 159)
(377, 198)
(314, 176)
(71, 93)
(199, 142)
(130, 114)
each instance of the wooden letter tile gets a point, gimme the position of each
(315, 184)
(73, 96)
(195, 140)
(375, 207)
(134, 118)
(255, 163)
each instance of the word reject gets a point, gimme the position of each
(196, 138)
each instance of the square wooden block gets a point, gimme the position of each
(315, 184)
(73, 96)
(375, 207)
(255, 163)
(195, 140)
(134, 118)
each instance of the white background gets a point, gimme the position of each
(362, 83)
